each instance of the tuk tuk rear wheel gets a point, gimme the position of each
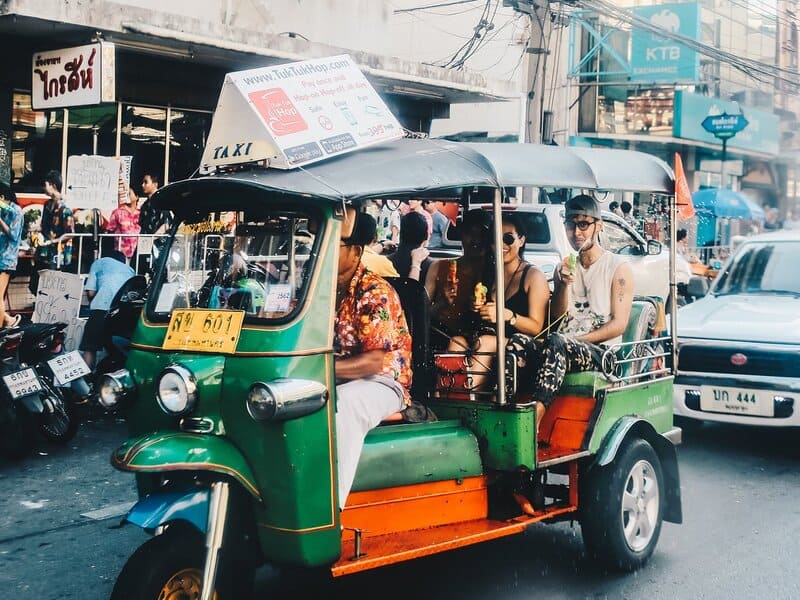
(170, 567)
(622, 507)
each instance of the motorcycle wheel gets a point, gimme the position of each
(170, 565)
(17, 433)
(61, 423)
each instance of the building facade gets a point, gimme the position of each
(169, 63)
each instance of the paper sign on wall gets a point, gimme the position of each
(297, 113)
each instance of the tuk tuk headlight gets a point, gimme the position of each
(113, 388)
(284, 399)
(177, 390)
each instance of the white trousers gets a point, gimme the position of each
(361, 405)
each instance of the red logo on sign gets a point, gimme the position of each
(738, 359)
(281, 115)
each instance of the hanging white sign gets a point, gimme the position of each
(93, 182)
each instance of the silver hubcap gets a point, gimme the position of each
(640, 503)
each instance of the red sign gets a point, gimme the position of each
(281, 116)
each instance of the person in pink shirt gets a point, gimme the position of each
(125, 219)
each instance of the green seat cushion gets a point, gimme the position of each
(395, 455)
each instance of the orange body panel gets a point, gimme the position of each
(397, 547)
(564, 424)
(380, 512)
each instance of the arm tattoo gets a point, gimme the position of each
(621, 291)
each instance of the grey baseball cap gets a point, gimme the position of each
(582, 205)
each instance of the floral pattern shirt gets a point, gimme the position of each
(124, 221)
(9, 242)
(58, 220)
(371, 318)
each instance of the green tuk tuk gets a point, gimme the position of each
(229, 389)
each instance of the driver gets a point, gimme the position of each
(372, 348)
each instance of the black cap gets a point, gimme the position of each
(364, 231)
(582, 206)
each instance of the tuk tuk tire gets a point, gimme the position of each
(602, 516)
(17, 433)
(179, 548)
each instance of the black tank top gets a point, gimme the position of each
(518, 302)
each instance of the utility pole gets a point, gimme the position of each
(534, 59)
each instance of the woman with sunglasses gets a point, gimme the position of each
(526, 296)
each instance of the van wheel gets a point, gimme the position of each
(622, 507)
(171, 566)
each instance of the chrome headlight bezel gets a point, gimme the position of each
(285, 399)
(114, 388)
(179, 398)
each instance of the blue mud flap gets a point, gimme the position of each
(161, 508)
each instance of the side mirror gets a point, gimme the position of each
(653, 247)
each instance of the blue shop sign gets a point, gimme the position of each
(658, 59)
(760, 135)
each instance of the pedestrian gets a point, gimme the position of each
(106, 277)
(125, 219)
(10, 238)
(440, 223)
(152, 221)
(613, 206)
(54, 250)
(626, 208)
(388, 227)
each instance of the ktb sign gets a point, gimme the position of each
(658, 58)
(724, 126)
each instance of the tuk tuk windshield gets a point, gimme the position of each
(260, 264)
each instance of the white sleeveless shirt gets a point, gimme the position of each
(590, 297)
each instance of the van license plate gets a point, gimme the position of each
(22, 383)
(737, 401)
(68, 367)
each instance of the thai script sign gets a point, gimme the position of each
(297, 113)
(58, 300)
(93, 182)
(724, 126)
(655, 58)
(79, 76)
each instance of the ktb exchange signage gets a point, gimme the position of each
(79, 76)
(655, 58)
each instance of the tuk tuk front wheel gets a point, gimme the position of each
(622, 508)
(170, 567)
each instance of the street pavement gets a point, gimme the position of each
(60, 537)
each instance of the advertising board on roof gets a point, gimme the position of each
(297, 113)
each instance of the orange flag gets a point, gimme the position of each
(683, 197)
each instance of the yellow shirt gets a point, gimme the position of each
(378, 264)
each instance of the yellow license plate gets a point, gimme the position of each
(204, 330)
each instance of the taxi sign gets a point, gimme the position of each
(204, 330)
(295, 114)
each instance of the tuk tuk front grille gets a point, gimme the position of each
(704, 359)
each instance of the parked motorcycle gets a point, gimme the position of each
(120, 323)
(17, 423)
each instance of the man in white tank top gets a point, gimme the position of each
(594, 296)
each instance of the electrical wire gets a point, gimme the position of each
(755, 69)
(429, 6)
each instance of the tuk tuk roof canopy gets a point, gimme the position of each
(409, 168)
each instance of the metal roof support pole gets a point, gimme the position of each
(500, 299)
(673, 285)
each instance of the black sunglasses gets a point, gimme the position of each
(509, 238)
(582, 225)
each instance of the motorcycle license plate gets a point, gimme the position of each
(68, 367)
(22, 383)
